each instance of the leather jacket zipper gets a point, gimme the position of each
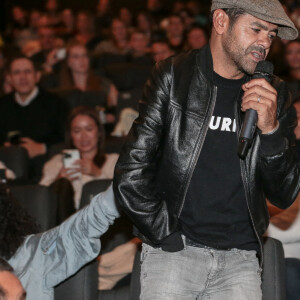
(246, 181)
(199, 147)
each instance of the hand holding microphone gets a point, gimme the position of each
(260, 104)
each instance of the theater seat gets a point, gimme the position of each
(84, 284)
(92, 188)
(273, 276)
(16, 158)
(39, 201)
(81, 286)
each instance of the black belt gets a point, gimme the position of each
(191, 243)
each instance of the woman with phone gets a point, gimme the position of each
(84, 160)
(76, 74)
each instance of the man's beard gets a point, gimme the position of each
(240, 55)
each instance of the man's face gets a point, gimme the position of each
(160, 51)
(23, 76)
(118, 30)
(175, 27)
(197, 38)
(248, 41)
(138, 43)
(11, 287)
(46, 38)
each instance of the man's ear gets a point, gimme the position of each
(220, 21)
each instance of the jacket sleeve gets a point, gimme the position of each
(278, 156)
(58, 253)
(135, 184)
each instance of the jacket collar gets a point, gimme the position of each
(205, 62)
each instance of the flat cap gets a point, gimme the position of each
(266, 10)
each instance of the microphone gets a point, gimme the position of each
(264, 69)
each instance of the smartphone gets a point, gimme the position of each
(61, 53)
(14, 137)
(69, 157)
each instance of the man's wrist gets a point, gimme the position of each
(273, 130)
(272, 142)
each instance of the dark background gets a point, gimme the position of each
(134, 5)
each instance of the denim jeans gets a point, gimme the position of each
(199, 273)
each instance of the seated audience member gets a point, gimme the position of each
(145, 24)
(196, 38)
(42, 261)
(10, 286)
(36, 116)
(295, 15)
(175, 33)
(67, 29)
(285, 226)
(85, 133)
(34, 17)
(85, 30)
(199, 11)
(126, 17)
(5, 87)
(103, 16)
(138, 43)
(53, 13)
(118, 41)
(292, 74)
(188, 19)
(178, 6)
(77, 74)
(157, 11)
(46, 58)
(161, 50)
(18, 24)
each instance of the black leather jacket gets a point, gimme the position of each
(156, 165)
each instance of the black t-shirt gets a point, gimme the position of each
(215, 211)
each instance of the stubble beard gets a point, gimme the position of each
(239, 55)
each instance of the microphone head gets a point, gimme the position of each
(264, 66)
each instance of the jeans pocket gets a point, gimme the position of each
(248, 255)
(147, 249)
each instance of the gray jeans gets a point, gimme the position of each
(199, 273)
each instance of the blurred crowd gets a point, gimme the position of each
(100, 59)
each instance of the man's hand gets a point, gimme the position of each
(262, 97)
(33, 148)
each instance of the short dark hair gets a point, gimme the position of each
(232, 13)
(21, 56)
(5, 266)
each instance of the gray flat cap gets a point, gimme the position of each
(266, 10)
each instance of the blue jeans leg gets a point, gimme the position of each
(199, 273)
